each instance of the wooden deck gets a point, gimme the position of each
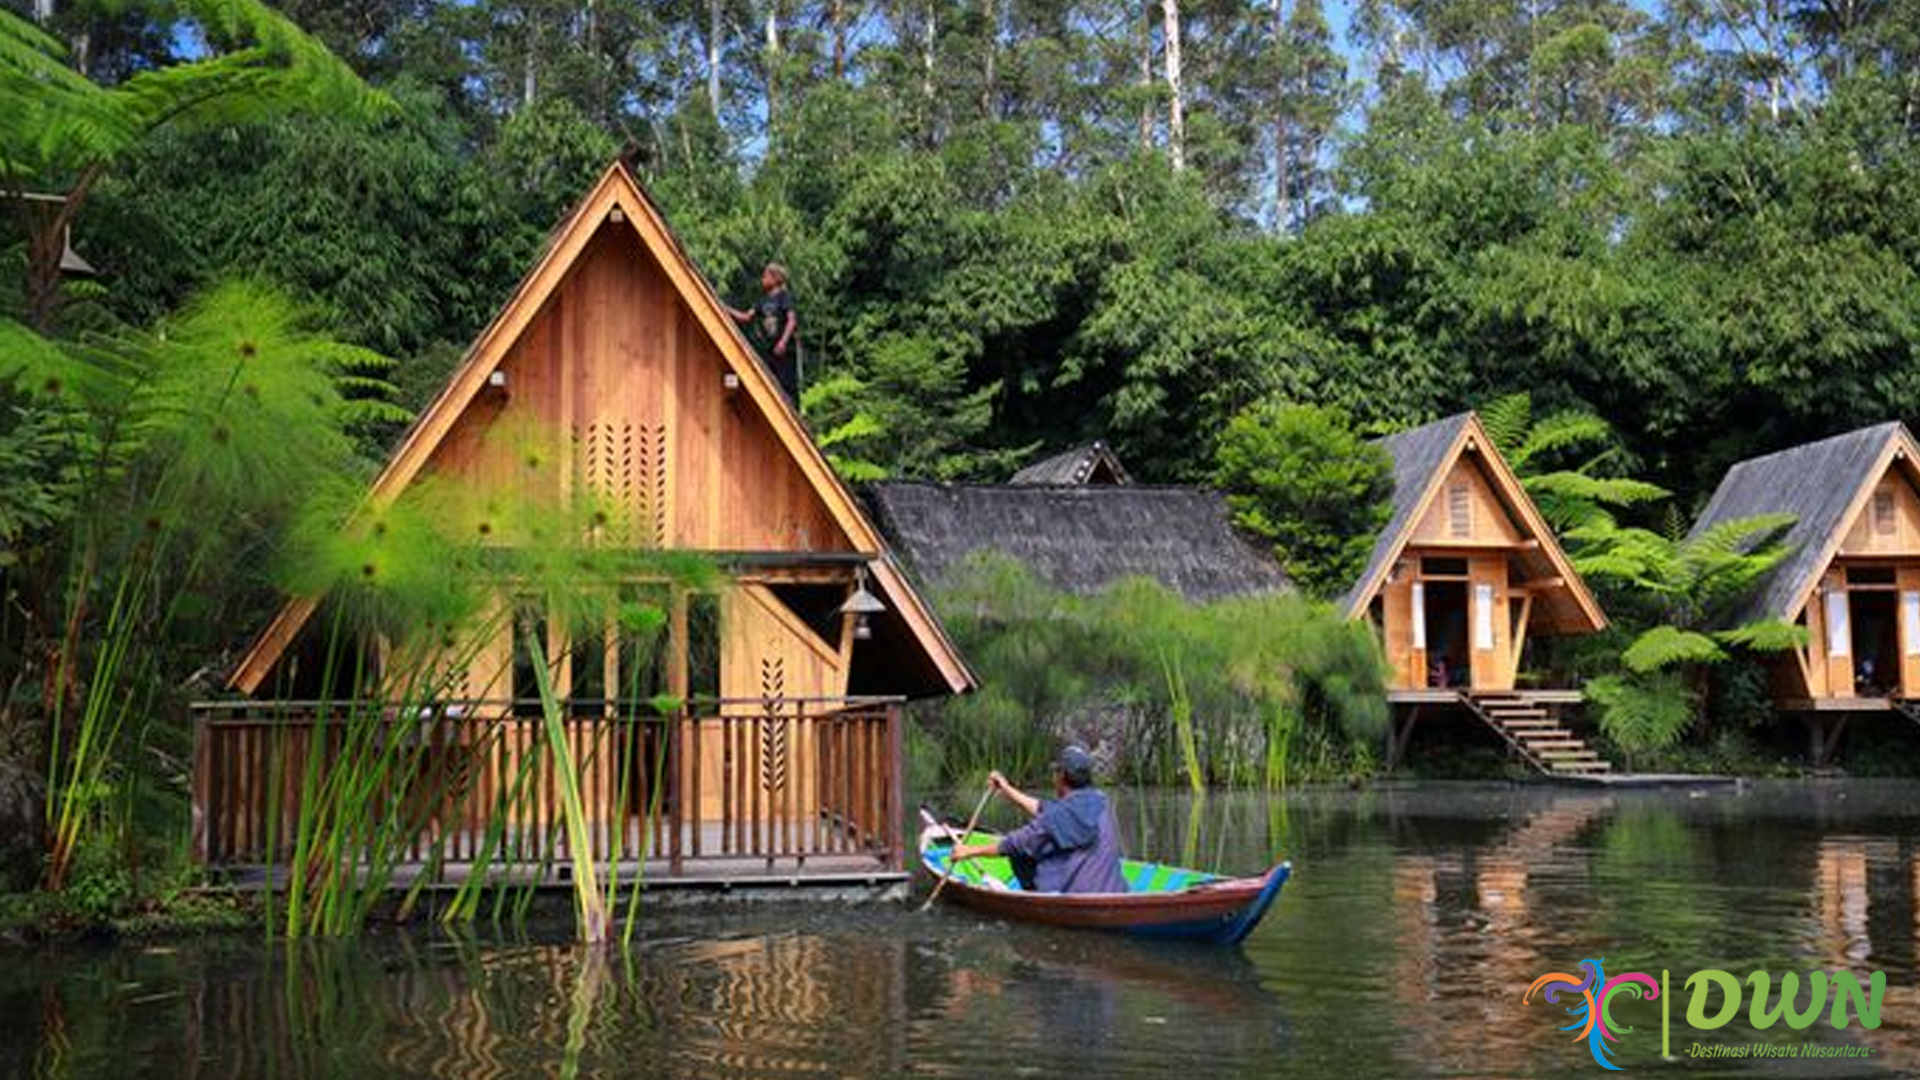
(773, 790)
(858, 869)
(1840, 704)
(1424, 696)
(1651, 780)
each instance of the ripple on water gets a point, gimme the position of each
(1418, 915)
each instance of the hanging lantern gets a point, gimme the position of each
(862, 605)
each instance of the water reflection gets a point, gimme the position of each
(1417, 917)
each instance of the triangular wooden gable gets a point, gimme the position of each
(1472, 438)
(1899, 455)
(526, 332)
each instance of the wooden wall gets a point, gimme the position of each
(1485, 521)
(615, 394)
(626, 393)
(1492, 659)
(1820, 671)
(1885, 536)
(1889, 523)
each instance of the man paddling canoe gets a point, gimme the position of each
(1072, 845)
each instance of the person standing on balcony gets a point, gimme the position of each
(773, 326)
(1072, 845)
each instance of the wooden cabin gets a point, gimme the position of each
(1851, 576)
(619, 359)
(1466, 571)
(1465, 575)
(1080, 523)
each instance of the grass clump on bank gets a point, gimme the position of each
(1249, 692)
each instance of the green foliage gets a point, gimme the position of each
(1643, 714)
(179, 447)
(1683, 596)
(1219, 693)
(102, 885)
(1298, 476)
(1586, 492)
(844, 433)
(1668, 646)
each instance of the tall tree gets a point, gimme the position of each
(1310, 95)
(1176, 90)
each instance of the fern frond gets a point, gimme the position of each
(1506, 421)
(859, 426)
(1563, 430)
(1665, 646)
(1739, 535)
(1765, 635)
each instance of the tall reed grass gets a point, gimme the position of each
(1224, 694)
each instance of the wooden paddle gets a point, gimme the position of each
(957, 841)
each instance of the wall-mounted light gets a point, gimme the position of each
(497, 379)
(862, 605)
(616, 215)
(731, 381)
(71, 264)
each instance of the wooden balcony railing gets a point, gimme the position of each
(786, 786)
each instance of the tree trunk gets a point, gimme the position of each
(46, 242)
(837, 13)
(528, 83)
(926, 71)
(1282, 133)
(1176, 97)
(43, 11)
(773, 57)
(1146, 77)
(989, 76)
(716, 31)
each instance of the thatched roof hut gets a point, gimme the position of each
(1079, 538)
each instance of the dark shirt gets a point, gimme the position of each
(769, 322)
(1075, 843)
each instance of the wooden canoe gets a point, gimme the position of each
(1161, 902)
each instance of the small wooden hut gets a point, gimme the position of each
(786, 761)
(1464, 575)
(1851, 576)
(1091, 465)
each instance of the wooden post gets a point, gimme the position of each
(202, 788)
(675, 816)
(896, 788)
(1398, 735)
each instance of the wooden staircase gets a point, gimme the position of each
(1907, 707)
(1530, 728)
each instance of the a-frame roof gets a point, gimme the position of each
(1422, 459)
(1823, 485)
(1094, 463)
(618, 200)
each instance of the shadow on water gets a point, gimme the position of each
(1418, 916)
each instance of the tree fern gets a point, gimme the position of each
(1507, 421)
(261, 64)
(1643, 714)
(1766, 635)
(1667, 646)
(1564, 431)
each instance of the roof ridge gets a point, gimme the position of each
(1814, 444)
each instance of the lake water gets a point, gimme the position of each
(1417, 917)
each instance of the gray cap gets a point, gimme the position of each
(1076, 765)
